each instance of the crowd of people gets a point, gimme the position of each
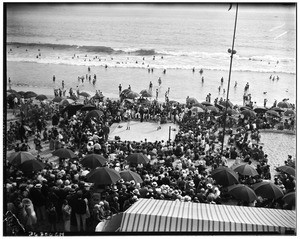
(177, 170)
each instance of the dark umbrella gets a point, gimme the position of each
(73, 97)
(231, 112)
(137, 158)
(245, 108)
(272, 112)
(64, 153)
(132, 95)
(125, 92)
(220, 107)
(245, 169)
(173, 102)
(93, 161)
(20, 157)
(66, 102)
(21, 93)
(29, 94)
(213, 109)
(205, 103)
(98, 97)
(289, 112)
(277, 109)
(41, 97)
(103, 176)
(191, 100)
(284, 104)
(128, 175)
(242, 192)
(260, 110)
(88, 107)
(11, 91)
(146, 94)
(289, 198)
(13, 95)
(228, 103)
(248, 113)
(287, 169)
(84, 94)
(268, 190)
(94, 114)
(197, 109)
(225, 176)
(31, 166)
(200, 105)
(129, 101)
(57, 99)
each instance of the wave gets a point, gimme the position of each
(170, 65)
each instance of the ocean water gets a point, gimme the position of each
(63, 39)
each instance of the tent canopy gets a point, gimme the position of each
(150, 215)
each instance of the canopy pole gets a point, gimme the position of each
(228, 85)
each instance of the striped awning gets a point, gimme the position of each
(150, 215)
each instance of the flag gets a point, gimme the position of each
(230, 6)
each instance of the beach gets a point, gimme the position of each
(79, 156)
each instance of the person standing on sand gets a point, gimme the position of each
(128, 114)
(120, 89)
(156, 94)
(265, 102)
(129, 87)
(150, 86)
(9, 83)
(158, 121)
(53, 78)
(63, 84)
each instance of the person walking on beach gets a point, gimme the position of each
(219, 88)
(222, 80)
(201, 71)
(63, 84)
(9, 83)
(158, 121)
(150, 86)
(235, 84)
(128, 116)
(129, 87)
(53, 78)
(159, 81)
(265, 102)
(120, 89)
(202, 79)
(156, 94)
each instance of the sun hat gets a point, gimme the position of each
(38, 185)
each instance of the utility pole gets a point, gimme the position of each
(232, 52)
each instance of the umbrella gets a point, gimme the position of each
(73, 97)
(242, 192)
(228, 103)
(84, 94)
(260, 110)
(13, 95)
(21, 93)
(129, 175)
(197, 109)
(125, 92)
(132, 95)
(287, 169)
(268, 190)
(272, 112)
(284, 104)
(31, 165)
(11, 91)
(231, 112)
(57, 99)
(191, 100)
(213, 109)
(146, 94)
(289, 112)
(200, 105)
(103, 176)
(93, 161)
(173, 102)
(29, 94)
(289, 198)
(88, 107)
(98, 97)
(248, 113)
(20, 157)
(129, 101)
(66, 102)
(143, 101)
(41, 97)
(245, 108)
(225, 176)
(137, 158)
(245, 169)
(64, 153)
(277, 109)
(205, 103)
(94, 114)
(220, 107)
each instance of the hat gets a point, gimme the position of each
(135, 198)
(121, 180)
(101, 203)
(115, 188)
(191, 184)
(38, 185)
(136, 191)
(209, 185)
(154, 184)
